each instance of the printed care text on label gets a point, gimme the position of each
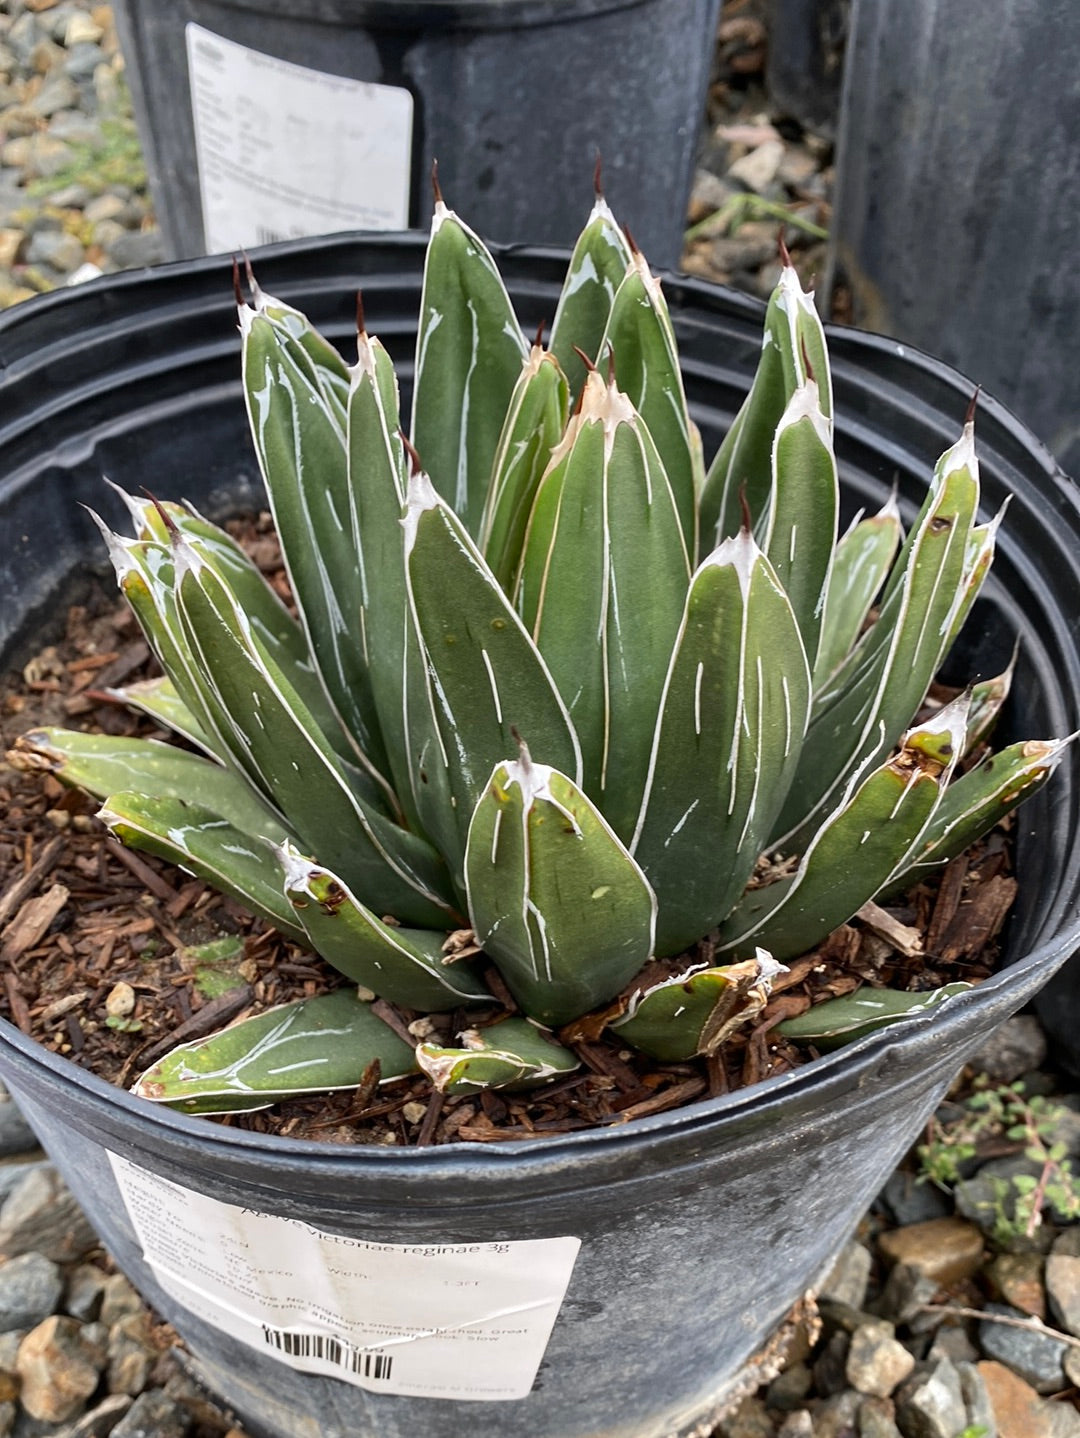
(284, 151)
(458, 1320)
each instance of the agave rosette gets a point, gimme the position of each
(550, 681)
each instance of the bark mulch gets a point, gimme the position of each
(104, 953)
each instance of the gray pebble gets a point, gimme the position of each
(62, 251)
(1035, 1356)
(131, 1354)
(877, 1419)
(7, 60)
(849, 1276)
(789, 1388)
(876, 1362)
(41, 1215)
(12, 1174)
(22, 37)
(105, 207)
(797, 1425)
(1012, 1050)
(85, 1287)
(906, 1293)
(100, 1421)
(835, 1418)
(30, 1287)
(71, 197)
(77, 129)
(118, 1300)
(82, 61)
(153, 1415)
(829, 1375)
(135, 248)
(931, 1403)
(58, 93)
(911, 1202)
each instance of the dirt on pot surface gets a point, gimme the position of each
(111, 958)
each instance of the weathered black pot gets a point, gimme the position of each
(699, 1228)
(508, 95)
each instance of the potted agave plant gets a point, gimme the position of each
(570, 741)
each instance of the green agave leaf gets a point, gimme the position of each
(300, 443)
(841, 1021)
(273, 738)
(273, 623)
(277, 630)
(877, 824)
(641, 341)
(158, 700)
(104, 764)
(198, 839)
(604, 519)
(554, 897)
(597, 268)
(802, 513)
(697, 1011)
(313, 354)
(861, 717)
(793, 350)
(314, 1046)
(987, 701)
(533, 427)
(976, 801)
(144, 572)
(734, 711)
(377, 470)
(405, 966)
(469, 352)
(861, 562)
(510, 1054)
(488, 678)
(977, 561)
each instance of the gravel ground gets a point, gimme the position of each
(894, 1351)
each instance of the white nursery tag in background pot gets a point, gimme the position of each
(457, 1320)
(285, 151)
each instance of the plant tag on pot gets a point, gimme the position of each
(468, 1321)
(285, 151)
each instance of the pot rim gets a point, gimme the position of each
(833, 1074)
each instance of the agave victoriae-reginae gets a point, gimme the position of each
(552, 682)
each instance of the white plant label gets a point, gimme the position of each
(457, 1320)
(284, 151)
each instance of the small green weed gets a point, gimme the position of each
(1006, 1111)
(117, 160)
(737, 209)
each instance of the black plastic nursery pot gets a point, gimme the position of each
(698, 1228)
(272, 119)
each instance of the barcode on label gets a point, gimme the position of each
(364, 1362)
(264, 236)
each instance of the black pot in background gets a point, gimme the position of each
(699, 1227)
(515, 98)
(805, 65)
(957, 187)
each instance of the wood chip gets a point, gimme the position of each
(212, 1016)
(24, 886)
(146, 876)
(61, 1007)
(29, 924)
(667, 1098)
(978, 919)
(19, 1010)
(905, 940)
(949, 895)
